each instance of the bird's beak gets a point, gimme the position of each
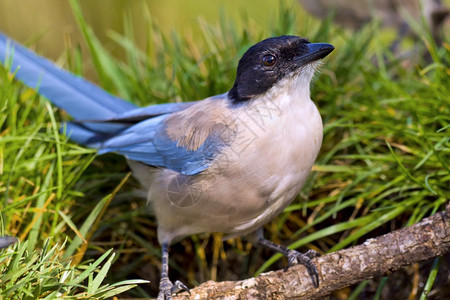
(315, 52)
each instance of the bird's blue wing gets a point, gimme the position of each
(149, 143)
(81, 131)
(143, 113)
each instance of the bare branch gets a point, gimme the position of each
(376, 257)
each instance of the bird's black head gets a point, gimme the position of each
(271, 60)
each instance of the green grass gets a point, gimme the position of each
(384, 162)
(32, 275)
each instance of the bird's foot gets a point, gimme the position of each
(295, 257)
(167, 288)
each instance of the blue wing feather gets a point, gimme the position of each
(143, 113)
(149, 143)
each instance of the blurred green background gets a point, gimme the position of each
(51, 24)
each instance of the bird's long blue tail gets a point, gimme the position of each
(97, 114)
(80, 98)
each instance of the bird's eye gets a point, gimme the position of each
(269, 60)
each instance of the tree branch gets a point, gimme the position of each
(376, 257)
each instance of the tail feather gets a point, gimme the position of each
(98, 115)
(80, 98)
(91, 134)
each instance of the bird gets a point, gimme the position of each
(229, 163)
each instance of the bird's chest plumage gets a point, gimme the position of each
(282, 141)
(275, 147)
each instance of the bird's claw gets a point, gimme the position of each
(295, 257)
(312, 253)
(167, 288)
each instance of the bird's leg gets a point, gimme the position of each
(294, 257)
(166, 287)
